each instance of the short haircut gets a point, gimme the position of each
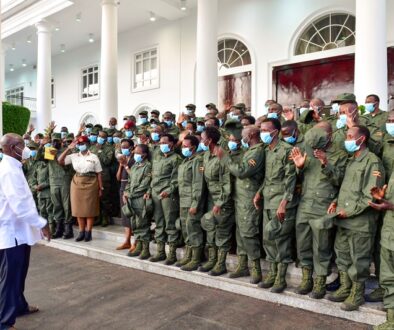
(213, 134)
(275, 122)
(170, 137)
(215, 120)
(129, 141)
(193, 140)
(364, 131)
(193, 124)
(145, 149)
(251, 119)
(377, 99)
(290, 124)
(104, 132)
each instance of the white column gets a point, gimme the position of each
(370, 71)
(206, 66)
(44, 74)
(2, 77)
(109, 61)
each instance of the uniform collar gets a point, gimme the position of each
(362, 156)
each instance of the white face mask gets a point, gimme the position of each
(25, 153)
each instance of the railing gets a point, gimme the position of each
(25, 101)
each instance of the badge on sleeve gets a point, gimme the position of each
(377, 174)
(201, 168)
(252, 162)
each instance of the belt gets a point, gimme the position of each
(89, 174)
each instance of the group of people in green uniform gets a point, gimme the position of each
(312, 185)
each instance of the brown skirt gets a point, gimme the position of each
(85, 201)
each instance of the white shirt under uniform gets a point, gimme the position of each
(84, 163)
(19, 219)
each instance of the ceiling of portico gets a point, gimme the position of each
(74, 34)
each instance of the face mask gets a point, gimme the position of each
(351, 146)
(63, 134)
(369, 107)
(200, 128)
(302, 110)
(272, 115)
(1, 155)
(142, 121)
(233, 146)
(341, 122)
(184, 124)
(290, 139)
(26, 142)
(93, 138)
(129, 134)
(203, 147)
(244, 144)
(266, 137)
(33, 153)
(113, 126)
(110, 139)
(139, 141)
(25, 153)
(165, 148)
(390, 128)
(100, 140)
(335, 108)
(168, 122)
(126, 152)
(137, 158)
(153, 125)
(48, 145)
(189, 112)
(82, 147)
(88, 130)
(187, 152)
(155, 136)
(234, 117)
(220, 122)
(116, 140)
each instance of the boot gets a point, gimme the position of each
(280, 282)
(319, 288)
(220, 267)
(256, 272)
(186, 258)
(161, 253)
(145, 254)
(81, 236)
(88, 236)
(344, 290)
(104, 221)
(269, 279)
(68, 233)
(307, 281)
(196, 259)
(171, 258)
(52, 228)
(376, 295)
(59, 230)
(137, 251)
(212, 259)
(389, 324)
(356, 297)
(334, 285)
(242, 269)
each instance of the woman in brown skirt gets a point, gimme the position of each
(86, 185)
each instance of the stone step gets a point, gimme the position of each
(105, 240)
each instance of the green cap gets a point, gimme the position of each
(240, 106)
(144, 113)
(344, 97)
(98, 126)
(32, 144)
(190, 106)
(143, 132)
(234, 127)
(95, 130)
(70, 136)
(211, 105)
(56, 136)
(89, 125)
(155, 112)
(200, 120)
(154, 121)
(111, 131)
(316, 138)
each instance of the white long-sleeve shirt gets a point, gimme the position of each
(19, 219)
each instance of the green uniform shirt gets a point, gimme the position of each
(29, 168)
(387, 239)
(362, 174)
(165, 173)
(42, 179)
(139, 180)
(388, 154)
(59, 175)
(155, 153)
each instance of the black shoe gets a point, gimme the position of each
(81, 236)
(88, 236)
(59, 230)
(68, 233)
(334, 285)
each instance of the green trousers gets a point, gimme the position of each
(60, 196)
(166, 212)
(386, 278)
(45, 207)
(279, 250)
(353, 250)
(140, 222)
(247, 234)
(314, 245)
(191, 227)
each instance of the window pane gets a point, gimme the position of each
(96, 78)
(153, 63)
(146, 69)
(146, 55)
(153, 52)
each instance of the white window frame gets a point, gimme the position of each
(53, 93)
(133, 69)
(80, 89)
(15, 92)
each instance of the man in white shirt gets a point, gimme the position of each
(20, 228)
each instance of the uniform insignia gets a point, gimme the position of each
(148, 174)
(252, 162)
(201, 168)
(377, 174)
(379, 133)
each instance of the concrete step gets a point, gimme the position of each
(105, 240)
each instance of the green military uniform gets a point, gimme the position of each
(249, 174)
(145, 126)
(355, 234)
(139, 180)
(388, 154)
(375, 124)
(279, 184)
(45, 205)
(173, 130)
(29, 168)
(319, 189)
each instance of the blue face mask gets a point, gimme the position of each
(138, 158)
(168, 122)
(290, 139)
(93, 138)
(110, 139)
(117, 140)
(234, 117)
(221, 122)
(153, 125)
(244, 144)
(100, 140)
(88, 130)
(165, 148)
(390, 128)
(82, 147)
(63, 135)
(203, 147)
(369, 107)
(341, 122)
(155, 136)
(272, 115)
(1, 155)
(335, 108)
(26, 142)
(351, 146)
(233, 146)
(266, 137)
(142, 121)
(129, 134)
(33, 153)
(184, 124)
(302, 110)
(200, 128)
(187, 152)
(125, 152)
(48, 145)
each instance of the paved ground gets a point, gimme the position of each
(75, 292)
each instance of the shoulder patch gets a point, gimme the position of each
(377, 174)
(201, 168)
(252, 162)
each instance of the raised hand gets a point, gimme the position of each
(297, 157)
(321, 156)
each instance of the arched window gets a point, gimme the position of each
(232, 53)
(328, 32)
(89, 118)
(143, 107)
